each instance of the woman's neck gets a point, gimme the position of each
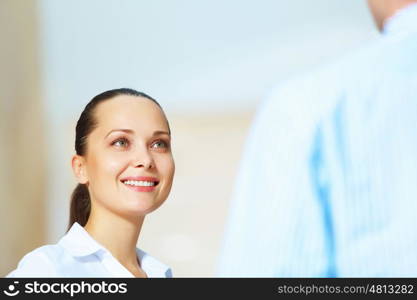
(117, 234)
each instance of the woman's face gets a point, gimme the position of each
(129, 164)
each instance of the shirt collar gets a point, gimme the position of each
(152, 266)
(403, 22)
(79, 243)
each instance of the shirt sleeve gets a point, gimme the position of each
(34, 264)
(275, 226)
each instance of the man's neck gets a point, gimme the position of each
(394, 7)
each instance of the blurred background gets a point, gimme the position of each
(209, 64)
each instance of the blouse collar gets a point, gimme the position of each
(79, 243)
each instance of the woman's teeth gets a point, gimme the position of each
(140, 183)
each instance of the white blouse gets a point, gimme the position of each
(77, 254)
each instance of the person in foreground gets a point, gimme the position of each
(125, 169)
(327, 184)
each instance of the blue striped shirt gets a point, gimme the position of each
(327, 186)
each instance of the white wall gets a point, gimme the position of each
(192, 55)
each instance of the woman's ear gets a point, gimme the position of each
(79, 168)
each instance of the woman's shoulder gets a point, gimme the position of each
(38, 263)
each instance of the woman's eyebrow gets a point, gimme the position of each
(158, 132)
(124, 130)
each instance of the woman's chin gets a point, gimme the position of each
(142, 208)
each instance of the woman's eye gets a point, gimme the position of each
(121, 143)
(159, 144)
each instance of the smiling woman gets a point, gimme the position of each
(125, 169)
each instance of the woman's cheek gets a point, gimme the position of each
(115, 164)
(168, 167)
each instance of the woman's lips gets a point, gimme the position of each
(141, 183)
(141, 188)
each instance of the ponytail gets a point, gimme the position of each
(80, 206)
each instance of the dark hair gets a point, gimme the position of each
(80, 206)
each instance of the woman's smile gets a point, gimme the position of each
(141, 183)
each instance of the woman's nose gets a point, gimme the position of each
(144, 160)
